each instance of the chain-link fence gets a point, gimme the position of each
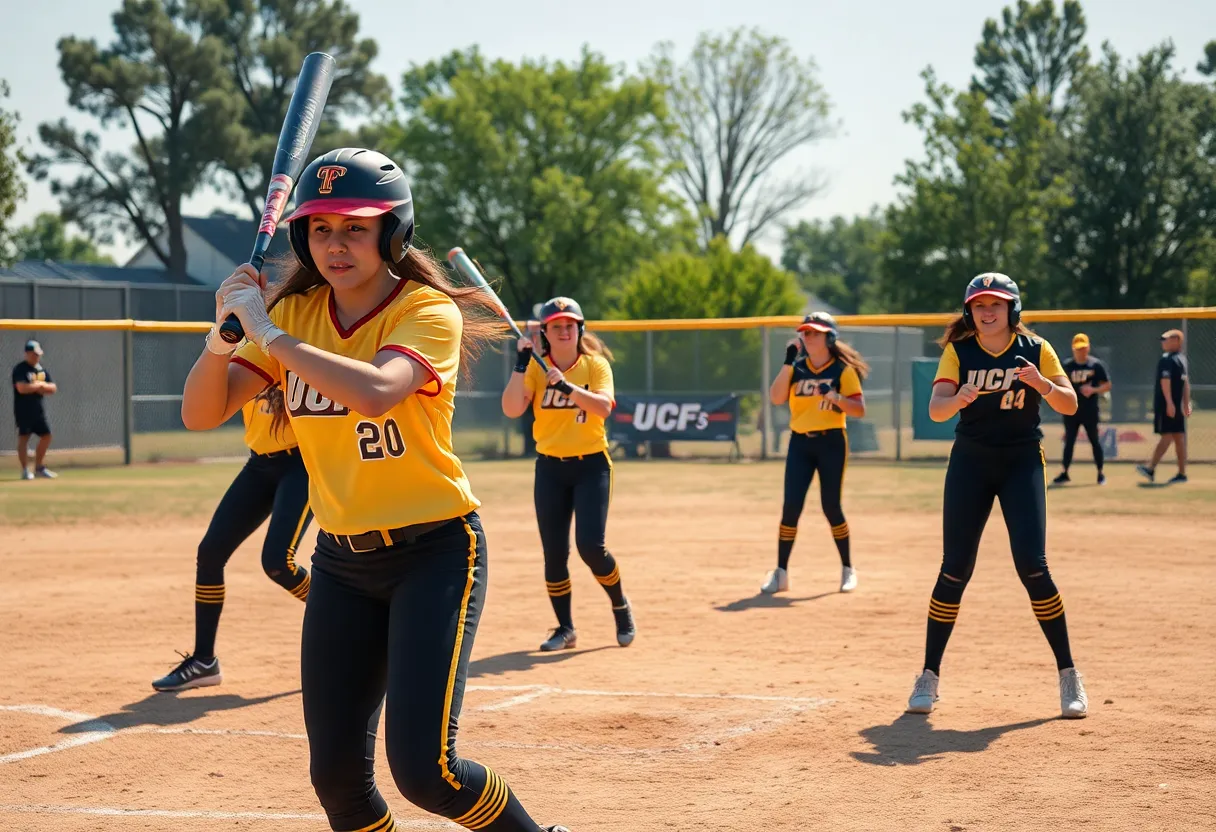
(86, 300)
(120, 391)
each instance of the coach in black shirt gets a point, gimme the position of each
(31, 382)
(1090, 379)
(1171, 405)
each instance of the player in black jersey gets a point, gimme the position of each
(1090, 380)
(993, 373)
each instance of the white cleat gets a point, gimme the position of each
(777, 581)
(1074, 704)
(924, 693)
(848, 579)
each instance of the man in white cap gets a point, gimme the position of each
(31, 382)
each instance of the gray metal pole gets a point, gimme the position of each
(33, 298)
(128, 393)
(177, 302)
(649, 373)
(896, 396)
(766, 410)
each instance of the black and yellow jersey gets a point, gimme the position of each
(1007, 411)
(809, 410)
(562, 428)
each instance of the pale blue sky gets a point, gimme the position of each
(869, 54)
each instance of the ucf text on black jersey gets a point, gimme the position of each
(1007, 411)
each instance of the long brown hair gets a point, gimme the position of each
(591, 344)
(273, 396)
(849, 355)
(957, 330)
(481, 322)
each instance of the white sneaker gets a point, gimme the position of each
(777, 581)
(1074, 704)
(27, 474)
(848, 579)
(924, 693)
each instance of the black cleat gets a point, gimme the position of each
(1176, 479)
(1146, 472)
(191, 673)
(562, 638)
(1101, 478)
(558, 828)
(625, 629)
(1062, 479)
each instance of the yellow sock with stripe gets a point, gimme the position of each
(1048, 608)
(208, 605)
(785, 544)
(560, 594)
(944, 605)
(840, 533)
(611, 582)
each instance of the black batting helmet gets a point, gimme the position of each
(560, 307)
(996, 285)
(821, 322)
(354, 182)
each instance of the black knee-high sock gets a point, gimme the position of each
(295, 580)
(1049, 610)
(611, 582)
(785, 544)
(944, 605)
(208, 604)
(840, 533)
(560, 594)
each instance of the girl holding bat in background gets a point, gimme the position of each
(573, 469)
(994, 373)
(822, 387)
(367, 337)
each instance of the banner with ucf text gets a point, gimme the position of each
(674, 418)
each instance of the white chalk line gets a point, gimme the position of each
(108, 811)
(98, 731)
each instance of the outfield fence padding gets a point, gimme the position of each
(120, 382)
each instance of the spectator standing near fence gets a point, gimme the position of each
(1090, 380)
(31, 383)
(1171, 406)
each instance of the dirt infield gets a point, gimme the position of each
(730, 712)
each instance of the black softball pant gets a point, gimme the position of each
(976, 477)
(578, 489)
(269, 485)
(392, 629)
(825, 452)
(1072, 426)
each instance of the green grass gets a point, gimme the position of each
(161, 493)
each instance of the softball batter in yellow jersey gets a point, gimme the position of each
(821, 380)
(365, 337)
(573, 471)
(273, 483)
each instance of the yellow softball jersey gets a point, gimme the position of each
(392, 470)
(562, 428)
(259, 429)
(809, 410)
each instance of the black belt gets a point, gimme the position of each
(383, 538)
(273, 454)
(571, 458)
(814, 433)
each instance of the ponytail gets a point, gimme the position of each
(590, 344)
(849, 355)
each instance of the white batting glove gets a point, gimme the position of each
(249, 305)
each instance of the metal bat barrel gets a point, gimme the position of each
(465, 265)
(300, 125)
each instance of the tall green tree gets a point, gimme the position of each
(838, 261)
(266, 42)
(743, 103)
(1208, 65)
(716, 283)
(164, 83)
(1142, 165)
(548, 173)
(46, 238)
(12, 187)
(977, 202)
(1032, 50)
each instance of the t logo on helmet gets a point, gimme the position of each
(327, 174)
(987, 281)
